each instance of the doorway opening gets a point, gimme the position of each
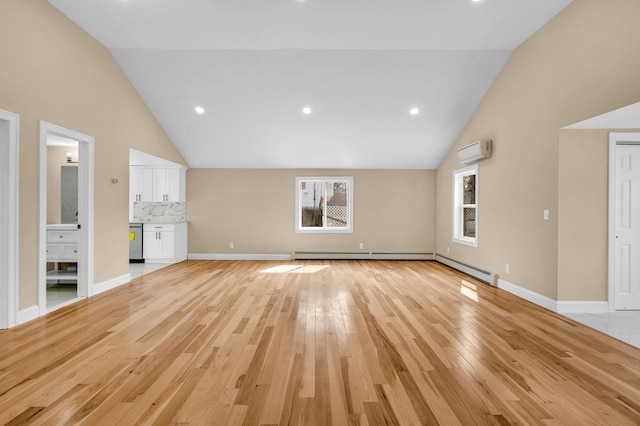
(9, 137)
(624, 222)
(65, 267)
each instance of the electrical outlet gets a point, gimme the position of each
(448, 250)
(507, 268)
(230, 245)
(361, 246)
(546, 214)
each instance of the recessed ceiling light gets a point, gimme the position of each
(306, 110)
(199, 110)
(414, 111)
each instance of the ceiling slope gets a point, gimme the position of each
(360, 65)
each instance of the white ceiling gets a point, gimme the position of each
(359, 64)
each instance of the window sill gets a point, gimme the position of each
(467, 242)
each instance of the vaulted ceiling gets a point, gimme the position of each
(360, 66)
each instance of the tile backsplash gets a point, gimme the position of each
(146, 212)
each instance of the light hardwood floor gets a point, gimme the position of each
(362, 342)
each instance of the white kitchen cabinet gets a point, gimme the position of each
(164, 243)
(157, 184)
(169, 184)
(140, 184)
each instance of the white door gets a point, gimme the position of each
(627, 227)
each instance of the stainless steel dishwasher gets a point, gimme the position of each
(135, 243)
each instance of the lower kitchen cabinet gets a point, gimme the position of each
(164, 243)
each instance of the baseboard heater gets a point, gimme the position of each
(480, 274)
(488, 277)
(317, 255)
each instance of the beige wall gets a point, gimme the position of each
(582, 218)
(394, 211)
(583, 63)
(53, 71)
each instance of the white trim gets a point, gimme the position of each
(614, 139)
(28, 314)
(324, 230)
(456, 231)
(529, 295)
(225, 256)
(9, 181)
(111, 284)
(85, 209)
(580, 307)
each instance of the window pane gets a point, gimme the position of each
(337, 204)
(311, 202)
(469, 222)
(469, 189)
(324, 204)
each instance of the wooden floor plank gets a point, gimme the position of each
(318, 342)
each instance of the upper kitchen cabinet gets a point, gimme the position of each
(140, 184)
(157, 184)
(169, 184)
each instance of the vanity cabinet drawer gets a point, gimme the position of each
(62, 236)
(60, 252)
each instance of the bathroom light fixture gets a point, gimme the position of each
(199, 110)
(69, 156)
(414, 111)
(306, 110)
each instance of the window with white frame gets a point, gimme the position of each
(324, 204)
(465, 206)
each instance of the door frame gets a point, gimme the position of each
(85, 211)
(9, 169)
(615, 139)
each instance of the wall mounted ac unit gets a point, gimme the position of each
(476, 151)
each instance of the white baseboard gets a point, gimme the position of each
(228, 256)
(529, 295)
(28, 314)
(112, 283)
(582, 307)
